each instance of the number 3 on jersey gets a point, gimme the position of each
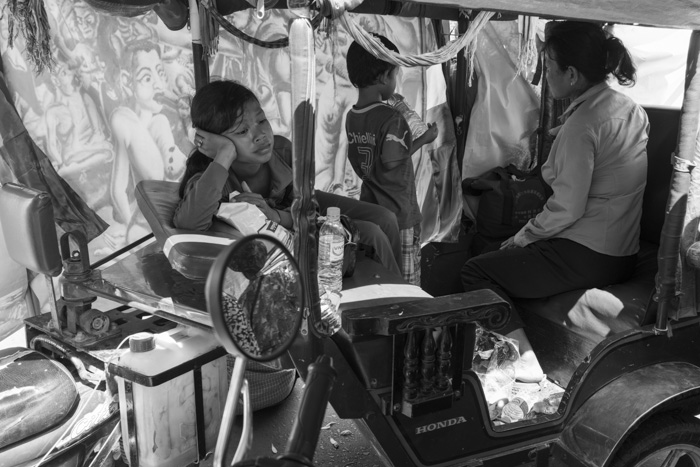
(367, 161)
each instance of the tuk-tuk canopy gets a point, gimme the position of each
(661, 13)
(667, 13)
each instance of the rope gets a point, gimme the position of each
(444, 53)
(527, 34)
(230, 28)
(208, 28)
(29, 16)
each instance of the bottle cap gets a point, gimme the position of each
(333, 212)
(142, 342)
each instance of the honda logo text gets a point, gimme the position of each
(442, 424)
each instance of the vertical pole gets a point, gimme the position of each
(669, 247)
(53, 307)
(229, 415)
(427, 362)
(304, 206)
(410, 367)
(688, 138)
(444, 354)
(200, 61)
(462, 108)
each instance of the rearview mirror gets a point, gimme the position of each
(255, 298)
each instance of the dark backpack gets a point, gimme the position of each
(508, 198)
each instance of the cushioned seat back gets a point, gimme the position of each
(189, 252)
(663, 136)
(26, 216)
(36, 395)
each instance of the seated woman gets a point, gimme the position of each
(234, 133)
(588, 233)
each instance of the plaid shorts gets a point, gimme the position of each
(410, 254)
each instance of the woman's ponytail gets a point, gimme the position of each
(586, 47)
(619, 62)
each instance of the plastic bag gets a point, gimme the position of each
(249, 219)
(494, 359)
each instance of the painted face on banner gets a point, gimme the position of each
(65, 78)
(148, 80)
(85, 21)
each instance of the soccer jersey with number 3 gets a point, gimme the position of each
(379, 135)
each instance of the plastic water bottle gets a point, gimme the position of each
(417, 125)
(331, 247)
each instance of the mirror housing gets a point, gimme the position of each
(254, 294)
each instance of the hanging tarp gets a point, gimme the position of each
(506, 110)
(30, 166)
(666, 13)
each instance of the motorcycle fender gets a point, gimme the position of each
(602, 423)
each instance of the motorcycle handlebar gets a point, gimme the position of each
(307, 426)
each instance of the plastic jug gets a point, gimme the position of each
(157, 382)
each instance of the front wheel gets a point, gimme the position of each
(665, 441)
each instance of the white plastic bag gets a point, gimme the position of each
(494, 359)
(249, 219)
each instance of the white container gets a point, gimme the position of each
(164, 418)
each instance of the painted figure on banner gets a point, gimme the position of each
(336, 95)
(114, 110)
(76, 140)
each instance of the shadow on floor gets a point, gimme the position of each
(272, 426)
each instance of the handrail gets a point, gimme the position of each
(426, 313)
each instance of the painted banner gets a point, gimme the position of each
(115, 109)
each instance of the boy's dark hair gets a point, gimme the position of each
(216, 107)
(364, 68)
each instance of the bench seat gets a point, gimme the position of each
(597, 313)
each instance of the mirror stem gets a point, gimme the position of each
(246, 441)
(229, 415)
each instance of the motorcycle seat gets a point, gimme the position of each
(37, 394)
